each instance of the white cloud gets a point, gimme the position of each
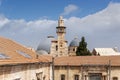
(101, 29)
(3, 20)
(69, 9)
(28, 33)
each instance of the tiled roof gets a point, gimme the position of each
(87, 60)
(16, 53)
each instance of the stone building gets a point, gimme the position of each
(68, 66)
(20, 63)
(58, 47)
(87, 68)
(73, 46)
(55, 47)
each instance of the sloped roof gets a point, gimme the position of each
(16, 53)
(87, 60)
(106, 51)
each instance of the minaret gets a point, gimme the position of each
(61, 29)
(62, 43)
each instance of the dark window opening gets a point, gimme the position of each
(115, 78)
(95, 76)
(73, 49)
(56, 47)
(17, 79)
(62, 77)
(39, 76)
(76, 77)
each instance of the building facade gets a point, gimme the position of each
(87, 68)
(34, 71)
(20, 63)
(58, 47)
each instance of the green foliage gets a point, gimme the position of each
(82, 48)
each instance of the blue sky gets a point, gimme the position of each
(28, 22)
(35, 9)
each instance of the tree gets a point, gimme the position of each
(82, 48)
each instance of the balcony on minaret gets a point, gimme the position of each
(61, 28)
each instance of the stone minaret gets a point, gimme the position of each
(62, 43)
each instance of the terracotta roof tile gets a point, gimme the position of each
(12, 49)
(87, 60)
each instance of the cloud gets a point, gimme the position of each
(101, 29)
(69, 9)
(28, 33)
(3, 20)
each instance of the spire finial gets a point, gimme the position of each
(60, 21)
(60, 18)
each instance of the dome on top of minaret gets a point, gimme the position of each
(61, 21)
(61, 18)
(45, 45)
(74, 42)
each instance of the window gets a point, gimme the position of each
(62, 77)
(76, 77)
(17, 79)
(73, 49)
(24, 54)
(61, 30)
(56, 47)
(39, 76)
(104, 78)
(95, 76)
(86, 77)
(115, 78)
(3, 56)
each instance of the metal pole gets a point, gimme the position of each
(53, 67)
(81, 72)
(109, 69)
(68, 72)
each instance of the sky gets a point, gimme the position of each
(29, 22)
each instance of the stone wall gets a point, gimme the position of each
(85, 72)
(69, 72)
(115, 72)
(25, 72)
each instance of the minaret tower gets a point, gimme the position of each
(62, 43)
